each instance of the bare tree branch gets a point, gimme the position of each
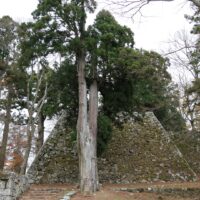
(131, 6)
(177, 50)
(180, 52)
(33, 110)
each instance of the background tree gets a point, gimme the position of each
(8, 58)
(34, 104)
(184, 54)
(138, 80)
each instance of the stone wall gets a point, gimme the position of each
(189, 145)
(143, 151)
(139, 151)
(57, 161)
(12, 186)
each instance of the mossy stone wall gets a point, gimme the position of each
(139, 151)
(143, 151)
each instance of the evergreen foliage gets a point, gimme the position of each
(104, 133)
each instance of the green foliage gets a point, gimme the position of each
(63, 91)
(73, 135)
(8, 47)
(105, 38)
(13, 78)
(8, 38)
(137, 81)
(57, 27)
(104, 133)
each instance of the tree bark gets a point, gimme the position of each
(85, 138)
(93, 115)
(32, 120)
(30, 132)
(7, 121)
(40, 138)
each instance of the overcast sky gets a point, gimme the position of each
(161, 21)
(153, 31)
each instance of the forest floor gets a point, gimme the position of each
(146, 191)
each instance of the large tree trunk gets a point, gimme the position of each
(86, 138)
(93, 114)
(7, 121)
(85, 135)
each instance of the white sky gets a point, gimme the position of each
(160, 22)
(19, 10)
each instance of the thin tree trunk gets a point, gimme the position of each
(30, 131)
(27, 153)
(32, 120)
(40, 138)
(7, 121)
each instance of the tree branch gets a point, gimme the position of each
(196, 3)
(134, 6)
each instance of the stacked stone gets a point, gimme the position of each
(143, 152)
(57, 161)
(12, 185)
(140, 151)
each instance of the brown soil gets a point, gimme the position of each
(181, 191)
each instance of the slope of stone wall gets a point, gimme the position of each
(189, 145)
(140, 151)
(57, 161)
(143, 151)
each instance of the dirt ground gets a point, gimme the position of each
(166, 191)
